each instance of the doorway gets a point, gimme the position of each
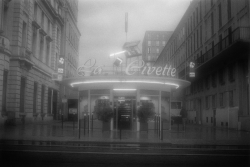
(124, 114)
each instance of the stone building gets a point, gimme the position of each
(214, 34)
(33, 36)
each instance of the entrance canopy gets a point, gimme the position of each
(126, 82)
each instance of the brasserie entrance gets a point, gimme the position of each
(124, 112)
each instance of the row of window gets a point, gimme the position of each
(153, 50)
(213, 101)
(156, 43)
(23, 82)
(212, 80)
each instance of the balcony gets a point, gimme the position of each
(228, 48)
(4, 44)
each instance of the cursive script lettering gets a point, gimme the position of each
(167, 70)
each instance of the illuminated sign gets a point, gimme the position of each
(131, 69)
(191, 69)
(145, 69)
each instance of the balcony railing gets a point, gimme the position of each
(238, 34)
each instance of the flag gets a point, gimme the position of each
(126, 22)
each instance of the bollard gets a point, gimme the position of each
(62, 121)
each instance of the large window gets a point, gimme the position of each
(35, 97)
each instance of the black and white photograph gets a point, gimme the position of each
(125, 83)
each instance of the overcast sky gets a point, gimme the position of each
(102, 24)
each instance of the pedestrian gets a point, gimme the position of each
(183, 114)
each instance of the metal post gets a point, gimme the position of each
(88, 122)
(84, 124)
(79, 124)
(161, 130)
(92, 122)
(73, 121)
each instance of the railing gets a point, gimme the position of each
(238, 34)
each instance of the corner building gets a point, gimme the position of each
(32, 35)
(214, 34)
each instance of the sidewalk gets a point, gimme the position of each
(193, 135)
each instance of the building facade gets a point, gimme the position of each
(152, 45)
(214, 34)
(32, 41)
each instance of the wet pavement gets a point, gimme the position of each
(193, 135)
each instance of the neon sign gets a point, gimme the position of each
(131, 69)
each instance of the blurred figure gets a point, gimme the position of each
(183, 114)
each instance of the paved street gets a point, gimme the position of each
(51, 145)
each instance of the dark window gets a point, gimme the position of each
(213, 101)
(35, 97)
(24, 35)
(220, 16)
(220, 42)
(42, 98)
(231, 73)
(207, 102)
(229, 9)
(22, 94)
(34, 39)
(221, 99)
(4, 95)
(221, 77)
(212, 23)
(214, 80)
(49, 100)
(231, 98)
(208, 82)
